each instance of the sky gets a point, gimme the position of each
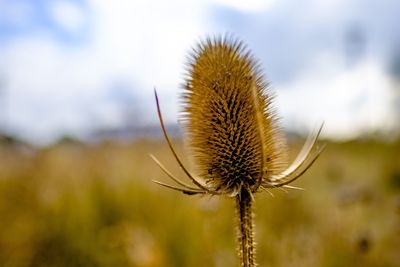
(71, 67)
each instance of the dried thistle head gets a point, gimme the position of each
(231, 126)
(228, 118)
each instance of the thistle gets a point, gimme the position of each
(233, 134)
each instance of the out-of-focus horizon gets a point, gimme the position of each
(88, 68)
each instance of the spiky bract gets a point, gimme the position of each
(227, 114)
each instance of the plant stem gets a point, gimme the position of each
(246, 248)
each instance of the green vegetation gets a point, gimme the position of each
(95, 205)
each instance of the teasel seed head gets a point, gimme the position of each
(230, 125)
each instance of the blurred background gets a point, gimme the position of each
(78, 120)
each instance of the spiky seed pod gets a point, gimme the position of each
(228, 118)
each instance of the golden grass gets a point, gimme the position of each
(95, 205)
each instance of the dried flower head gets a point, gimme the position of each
(231, 126)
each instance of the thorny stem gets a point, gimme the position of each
(246, 248)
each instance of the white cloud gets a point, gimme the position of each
(350, 101)
(16, 13)
(249, 5)
(53, 88)
(67, 14)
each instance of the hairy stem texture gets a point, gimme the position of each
(246, 248)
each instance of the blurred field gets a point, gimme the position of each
(75, 204)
